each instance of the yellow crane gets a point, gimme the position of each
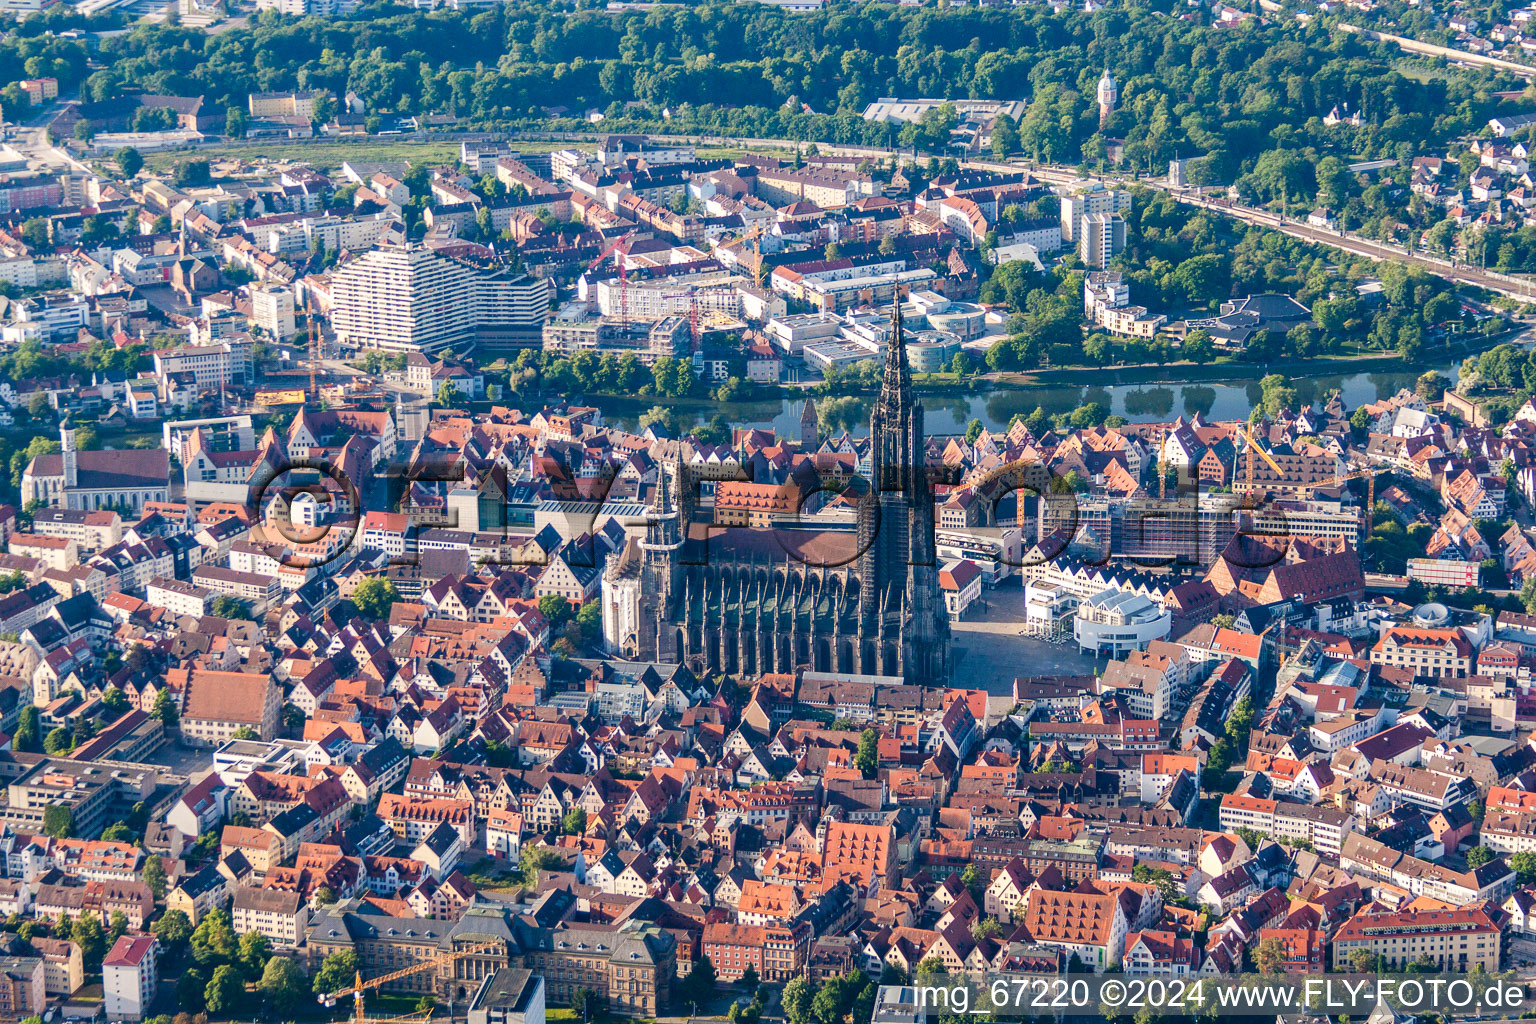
(1369, 476)
(1162, 467)
(360, 986)
(755, 236)
(1248, 439)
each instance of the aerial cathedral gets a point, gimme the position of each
(747, 601)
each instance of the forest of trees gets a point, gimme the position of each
(1187, 89)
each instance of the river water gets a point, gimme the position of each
(1138, 403)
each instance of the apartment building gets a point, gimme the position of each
(776, 951)
(415, 818)
(286, 104)
(1431, 791)
(574, 330)
(1439, 653)
(1455, 940)
(255, 588)
(1323, 827)
(272, 310)
(130, 977)
(179, 597)
(52, 552)
(1508, 831)
(1079, 205)
(91, 531)
(225, 363)
(23, 988)
(411, 299)
(1100, 237)
(282, 916)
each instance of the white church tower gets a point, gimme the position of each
(1109, 95)
(67, 443)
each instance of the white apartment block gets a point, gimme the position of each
(178, 596)
(1100, 236)
(212, 366)
(1075, 207)
(415, 300)
(272, 310)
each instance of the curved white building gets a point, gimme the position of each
(1117, 622)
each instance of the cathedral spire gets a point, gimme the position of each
(896, 384)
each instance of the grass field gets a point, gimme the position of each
(324, 156)
(329, 154)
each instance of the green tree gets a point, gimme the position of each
(282, 983)
(590, 621)
(235, 122)
(447, 394)
(374, 597)
(867, 758)
(172, 928)
(26, 737)
(1524, 867)
(700, 981)
(88, 934)
(154, 877)
(164, 708)
(191, 990)
(1268, 955)
(113, 701)
(336, 972)
(226, 606)
(255, 950)
(225, 990)
(535, 859)
(214, 940)
(58, 741)
(575, 822)
(35, 233)
(129, 160)
(1478, 856)
(1240, 722)
(797, 999)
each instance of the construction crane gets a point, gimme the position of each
(360, 986)
(755, 236)
(623, 280)
(1369, 476)
(1162, 469)
(314, 350)
(1248, 439)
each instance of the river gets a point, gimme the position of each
(1138, 403)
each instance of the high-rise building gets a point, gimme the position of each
(769, 600)
(1101, 235)
(411, 299)
(1095, 200)
(272, 311)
